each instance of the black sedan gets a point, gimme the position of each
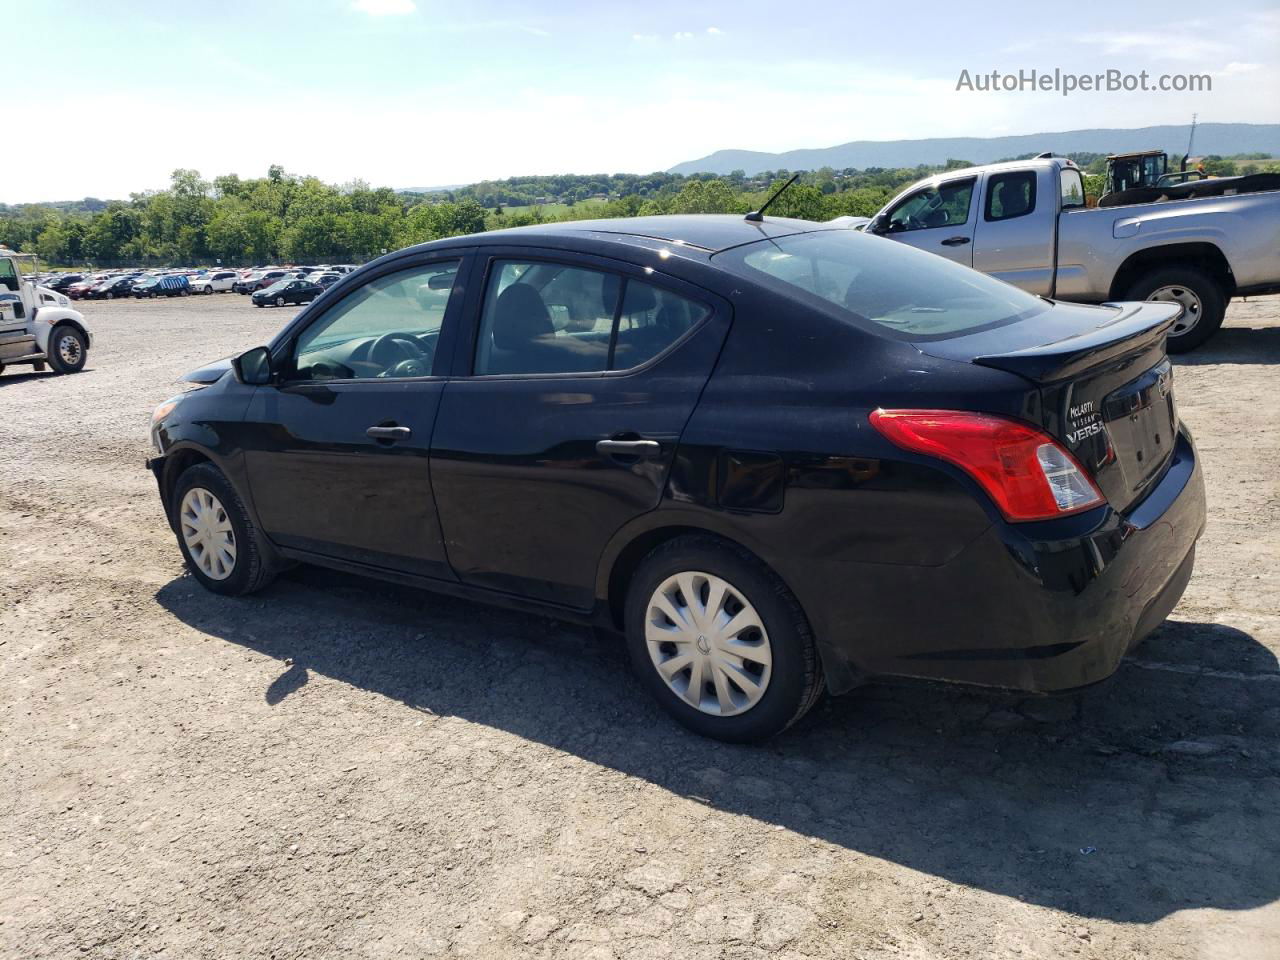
(115, 287)
(285, 291)
(778, 459)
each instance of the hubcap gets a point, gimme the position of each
(708, 644)
(1191, 307)
(207, 532)
(69, 349)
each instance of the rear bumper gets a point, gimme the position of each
(1043, 607)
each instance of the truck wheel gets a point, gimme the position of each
(720, 642)
(1203, 301)
(67, 349)
(222, 547)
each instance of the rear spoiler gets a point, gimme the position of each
(1138, 328)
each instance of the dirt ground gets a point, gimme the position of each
(337, 767)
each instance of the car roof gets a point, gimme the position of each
(704, 231)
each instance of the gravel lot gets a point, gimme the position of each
(336, 767)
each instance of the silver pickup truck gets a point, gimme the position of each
(1026, 222)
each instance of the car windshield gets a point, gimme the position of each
(910, 293)
(278, 285)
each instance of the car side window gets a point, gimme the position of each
(1010, 195)
(542, 317)
(651, 320)
(946, 205)
(1072, 189)
(388, 327)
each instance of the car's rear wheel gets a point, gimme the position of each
(719, 640)
(222, 547)
(186, 291)
(67, 349)
(1204, 304)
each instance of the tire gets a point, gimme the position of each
(1202, 295)
(68, 351)
(789, 684)
(218, 507)
(279, 301)
(186, 291)
(110, 295)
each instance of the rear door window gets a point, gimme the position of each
(1010, 195)
(541, 317)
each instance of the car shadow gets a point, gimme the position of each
(9, 377)
(1155, 792)
(1236, 344)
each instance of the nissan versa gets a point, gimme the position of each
(778, 458)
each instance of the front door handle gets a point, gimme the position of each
(389, 433)
(644, 449)
(955, 241)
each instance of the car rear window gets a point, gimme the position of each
(898, 289)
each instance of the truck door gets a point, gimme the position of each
(938, 218)
(1016, 230)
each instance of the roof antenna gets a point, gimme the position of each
(755, 216)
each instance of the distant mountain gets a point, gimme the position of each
(1220, 138)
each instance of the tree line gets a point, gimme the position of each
(288, 218)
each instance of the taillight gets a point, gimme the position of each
(1028, 474)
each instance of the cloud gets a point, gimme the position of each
(714, 31)
(384, 8)
(682, 35)
(1184, 45)
(644, 37)
(1236, 66)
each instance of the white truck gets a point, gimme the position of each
(1026, 222)
(37, 327)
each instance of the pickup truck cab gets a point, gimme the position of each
(37, 327)
(1026, 222)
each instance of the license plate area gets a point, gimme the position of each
(1141, 422)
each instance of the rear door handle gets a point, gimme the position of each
(389, 433)
(955, 241)
(645, 449)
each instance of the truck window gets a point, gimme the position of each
(1010, 195)
(8, 275)
(1072, 189)
(946, 205)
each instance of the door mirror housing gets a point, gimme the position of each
(253, 367)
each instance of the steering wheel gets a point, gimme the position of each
(403, 355)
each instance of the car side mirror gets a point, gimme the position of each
(253, 367)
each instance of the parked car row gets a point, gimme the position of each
(113, 284)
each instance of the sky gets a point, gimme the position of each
(416, 93)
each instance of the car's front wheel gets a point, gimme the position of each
(67, 350)
(279, 301)
(720, 642)
(222, 547)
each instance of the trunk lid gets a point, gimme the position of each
(1104, 381)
